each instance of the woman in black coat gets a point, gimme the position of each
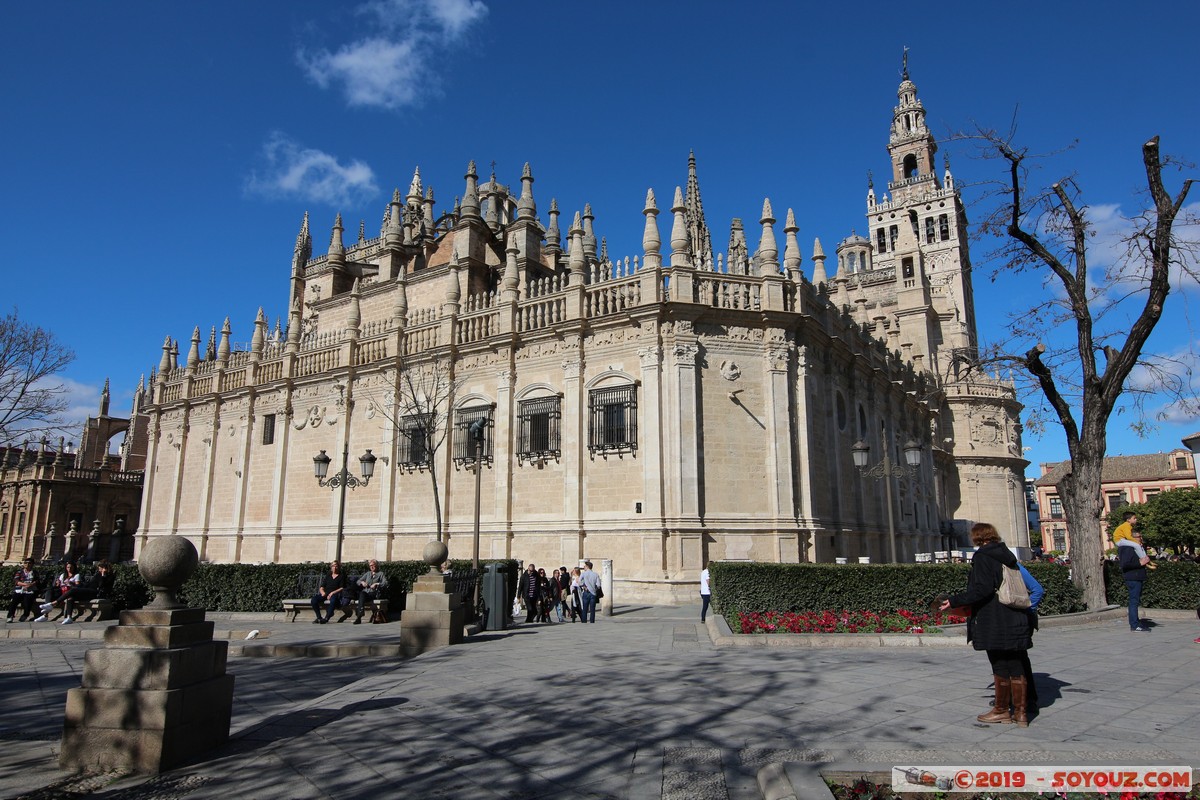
(1003, 632)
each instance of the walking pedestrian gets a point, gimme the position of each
(705, 592)
(1133, 570)
(527, 590)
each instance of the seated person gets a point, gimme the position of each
(373, 585)
(98, 586)
(67, 580)
(331, 594)
(24, 592)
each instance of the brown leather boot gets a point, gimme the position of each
(1019, 697)
(1000, 712)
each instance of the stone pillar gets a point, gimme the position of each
(156, 695)
(433, 617)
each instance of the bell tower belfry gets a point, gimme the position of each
(918, 233)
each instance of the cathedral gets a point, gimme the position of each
(493, 367)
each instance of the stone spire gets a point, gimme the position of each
(210, 349)
(174, 354)
(493, 206)
(681, 255)
(223, 349)
(453, 290)
(526, 208)
(470, 202)
(303, 250)
(354, 314)
(512, 278)
(589, 234)
(393, 235)
(194, 351)
(164, 364)
(738, 260)
(293, 329)
(362, 231)
(427, 211)
(818, 258)
(400, 303)
(791, 250)
(553, 235)
(260, 333)
(105, 396)
(768, 250)
(651, 242)
(577, 259)
(337, 250)
(414, 189)
(697, 227)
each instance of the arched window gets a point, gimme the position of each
(881, 241)
(944, 227)
(910, 165)
(893, 235)
(930, 235)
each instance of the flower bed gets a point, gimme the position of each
(901, 621)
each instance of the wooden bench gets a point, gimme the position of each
(307, 585)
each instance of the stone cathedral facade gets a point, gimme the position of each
(661, 409)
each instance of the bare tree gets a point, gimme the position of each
(31, 402)
(419, 410)
(1086, 313)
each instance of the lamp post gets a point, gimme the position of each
(861, 452)
(341, 480)
(477, 432)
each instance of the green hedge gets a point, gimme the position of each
(1173, 584)
(255, 587)
(745, 587)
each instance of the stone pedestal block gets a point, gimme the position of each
(156, 696)
(433, 616)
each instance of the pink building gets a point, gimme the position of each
(1126, 479)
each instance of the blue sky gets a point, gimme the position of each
(160, 156)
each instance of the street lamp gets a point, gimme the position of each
(477, 432)
(341, 480)
(861, 452)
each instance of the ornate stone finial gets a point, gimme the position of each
(791, 250)
(362, 231)
(492, 218)
(104, 398)
(164, 363)
(512, 278)
(904, 71)
(174, 354)
(576, 260)
(393, 230)
(553, 235)
(354, 314)
(337, 250)
(223, 350)
(260, 333)
(194, 351)
(681, 253)
(651, 242)
(470, 202)
(427, 211)
(414, 189)
(303, 251)
(166, 562)
(526, 208)
(818, 257)
(768, 250)
(589, 234)
(210, 349)
(453, 290)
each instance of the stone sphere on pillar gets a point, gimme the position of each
(166, 562)
(435, 554)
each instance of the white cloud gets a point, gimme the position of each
(1109, 247)
(292, 171)
(396, 66)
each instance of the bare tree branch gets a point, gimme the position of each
(31, 402)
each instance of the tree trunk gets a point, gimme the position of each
(1084, 506)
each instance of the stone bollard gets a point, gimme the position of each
(433, 615)
(156, 695)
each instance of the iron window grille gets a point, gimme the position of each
(612, 413)
(464, 445)
(268, 429)
(539, 428)
(416, 432)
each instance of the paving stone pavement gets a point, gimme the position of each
(639, 705)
